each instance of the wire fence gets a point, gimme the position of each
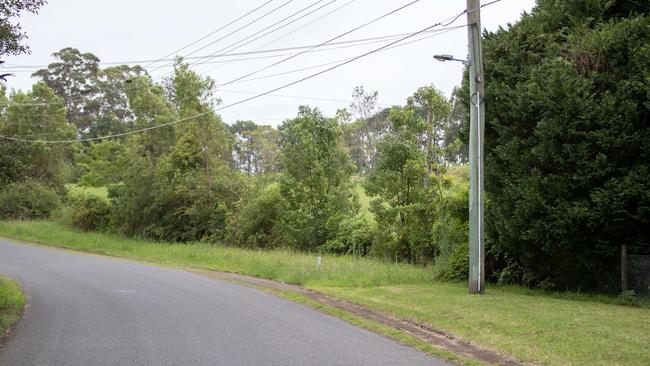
(638, 274)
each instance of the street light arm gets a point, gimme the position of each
(446, 57)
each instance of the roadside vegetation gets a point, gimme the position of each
(531, 325)
(380, 192)
(12, 302)
(566, 158)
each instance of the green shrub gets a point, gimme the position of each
(86, 212)
(254, 224)
(354, 237)
(28, 199)
(510, 275)
(170, 206)
(85, 208)
(627, 298)
(450, 233)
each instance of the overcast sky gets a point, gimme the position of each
(129, 30)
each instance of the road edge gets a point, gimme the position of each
(420, 336)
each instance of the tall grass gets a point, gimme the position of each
(12, 301)
(281, 265)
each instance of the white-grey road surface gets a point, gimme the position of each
(91, 311)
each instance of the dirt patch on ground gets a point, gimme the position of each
(423, 332)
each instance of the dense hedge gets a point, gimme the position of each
(568, 143)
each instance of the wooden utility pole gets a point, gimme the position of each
(477, 123)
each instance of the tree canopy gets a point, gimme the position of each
(568, 143)
(12, 36)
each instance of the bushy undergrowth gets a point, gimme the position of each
(28, 199)
(450, 233)
(85, 208)
(254, 226)
(86, 213)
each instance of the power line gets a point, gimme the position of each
(242, 100)
(286, 34)
(447, 30)
(323, 43)
(199, 62)
(238, 29)
(255, 52)
(344, 44)
(438, 33)
(310, 49)
(287, 96)
(265, 53)
(15, 68)
(208, 35)
(164, 58)
(442, 23)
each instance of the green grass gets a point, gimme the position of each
(12, 301)
(530, 325)
(279, 265)
(533, 328)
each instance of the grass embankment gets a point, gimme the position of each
(530, 326)
(12, 301)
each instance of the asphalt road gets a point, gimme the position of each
(88, 311)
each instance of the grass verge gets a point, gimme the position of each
(12, 302)
(528, 325)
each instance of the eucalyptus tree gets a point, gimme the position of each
(115, 114)
(266, 149)
(435, 108)
(455, 128)
(74, 78)
(194, 183)
(367, 129)
(243, 150)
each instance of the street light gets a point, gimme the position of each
(450, 58)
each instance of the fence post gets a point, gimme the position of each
(623, 268)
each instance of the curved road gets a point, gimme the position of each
(88, 310)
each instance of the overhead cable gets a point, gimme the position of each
(207, 35)
(284, 86)
(323, 43)
(238, 29)
(238, 44)
(284, 35)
